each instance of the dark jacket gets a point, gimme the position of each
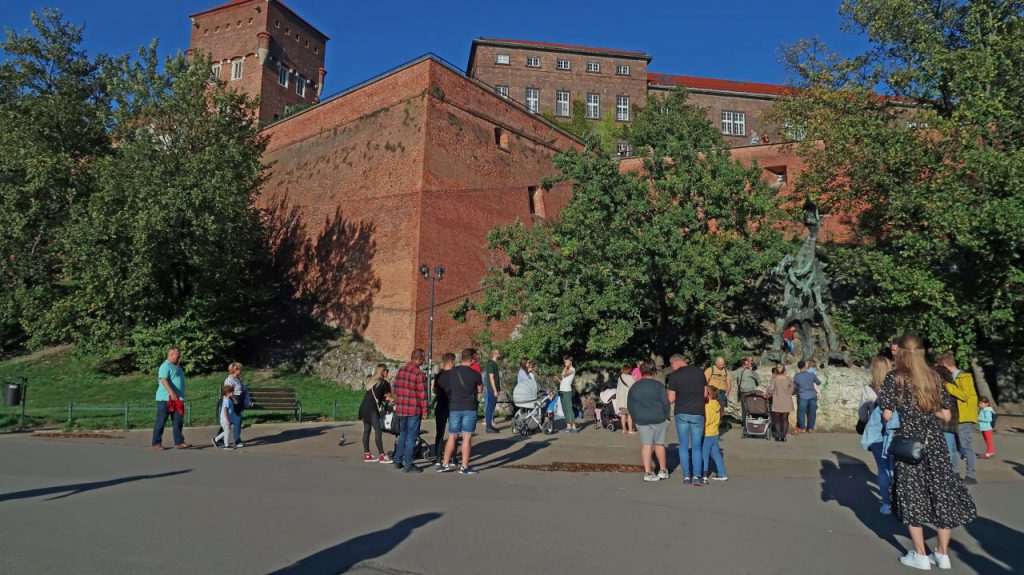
(647, 402)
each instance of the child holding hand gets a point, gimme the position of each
(986, 418)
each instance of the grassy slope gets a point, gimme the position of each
(56, 378)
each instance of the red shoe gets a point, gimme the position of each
(384, 458)
(183, 445)
(367, 458)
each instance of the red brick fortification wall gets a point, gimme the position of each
(349, 172)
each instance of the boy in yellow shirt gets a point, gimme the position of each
(710, 448)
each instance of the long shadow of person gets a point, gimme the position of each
(347, 554)
(1017, 466)
(527, 449)
(850, 483)
(289, 435)
(1001, 543)
(76, 488)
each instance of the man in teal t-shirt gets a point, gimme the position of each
(170, 390)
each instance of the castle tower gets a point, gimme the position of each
(263, 48)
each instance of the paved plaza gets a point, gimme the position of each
(293, 501)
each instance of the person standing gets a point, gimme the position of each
(463, 384)
(926, 491)
(949, 428)
(226, 416)
(747, 383)
(377, 394)
(240, 396)
(492, 390)
(565, 390)
(872, 437)
(621, 402)
(170, 398)
(648, 406)
(986, 419)
(686, 389)
(808, 389)
(966, 395)
(780, 392)
(710, 449)
(441, 406)
(637, 376)
(720, 378)
(789, 340)
(410, 394)
(525, 392)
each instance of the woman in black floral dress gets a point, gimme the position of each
(926, 491)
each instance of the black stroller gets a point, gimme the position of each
(390, 424)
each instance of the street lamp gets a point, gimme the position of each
(433, 279)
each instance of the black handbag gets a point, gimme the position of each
(860, 427)
(907, 449)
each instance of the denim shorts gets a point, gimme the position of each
(462, 422)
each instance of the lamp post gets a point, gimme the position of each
(437, 276)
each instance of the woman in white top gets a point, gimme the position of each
(621, 393)
(565, 391)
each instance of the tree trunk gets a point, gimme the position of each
(980, 383)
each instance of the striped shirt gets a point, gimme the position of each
(409, 390)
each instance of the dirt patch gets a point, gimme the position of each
(575, 467)
(77, 436)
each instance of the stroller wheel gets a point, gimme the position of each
(610, 427)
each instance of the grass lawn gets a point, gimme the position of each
(55, 378)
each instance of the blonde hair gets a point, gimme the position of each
(914, 375)
(235, 368)
(880, 367)
(378, 374)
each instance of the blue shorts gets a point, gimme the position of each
(462, 422)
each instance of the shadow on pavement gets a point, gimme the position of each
(76, 488)
(526, 449)
(1002, 543)
(347, 554)
(288, 435)
(853, 485)
(1017, 466)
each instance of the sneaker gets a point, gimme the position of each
(239, 444)
(650, 477)
(229, 447)
(468, 471)
(663, 474)
(398, 465)
(885, 510)
(721, 478)
(970, 481)
(383, 458)
(940, 560)
(442, 468)
(493, 430)
(367, 458)
(687, 481)
(215, 444)
(700, 483)
(912, 559)
(413, 469)
(987, 456)
(158, 447)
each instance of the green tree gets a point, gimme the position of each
(53, 118)
(641, 263)
(935, 172)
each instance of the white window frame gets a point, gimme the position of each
(502, 59)
(215, 71)
(533, 61)
(734, 123)
(533, 100)
(237, 69)
(622, 108)
(501, 91)
(564, 65)
(283, 75)
(300, 86)
(594, 67)
(563, 107)
(622, 150)
(593, 106)
(622, 69)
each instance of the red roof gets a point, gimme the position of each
(696, 83)
(631, 53)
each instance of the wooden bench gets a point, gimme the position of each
(275, 399)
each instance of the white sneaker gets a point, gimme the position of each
(885, 510)
(912, 559)
(663, 474)
(650, 477)
(936, 558)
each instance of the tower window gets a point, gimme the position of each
(282, 75)
(300, 86)
(215, 71)
(236, 69)
(501, 138)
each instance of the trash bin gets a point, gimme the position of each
(12, 394)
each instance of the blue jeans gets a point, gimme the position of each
(711, 450)
(806, 408)
(236, 422)
(690, 429)
(884, 471)
(954, 455)
(490, 402)
(462, 422)
(161, 421)
(965, 433)
(408, 432)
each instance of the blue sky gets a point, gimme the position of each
(736, 40)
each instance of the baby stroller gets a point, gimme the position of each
(529, 416)
(390, 424)
(610, 419)
(757, 421)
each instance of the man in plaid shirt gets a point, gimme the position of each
(409, 391)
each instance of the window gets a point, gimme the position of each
(533, 100)
(300, 86)
(795, 132)
(594, 106)
(215, 71)
(622, 70)
(734, 123)
(562, 103)
(501, 138)
(277, 23)
(501, 59)
(536, 199)
(501, 91)
(533, 62)
(622, 108)
(593, 66)
(622, 150)
(236, 70)
(563, 64)
(282, 75)
(316, 49)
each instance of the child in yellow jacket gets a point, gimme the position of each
(710, 448)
